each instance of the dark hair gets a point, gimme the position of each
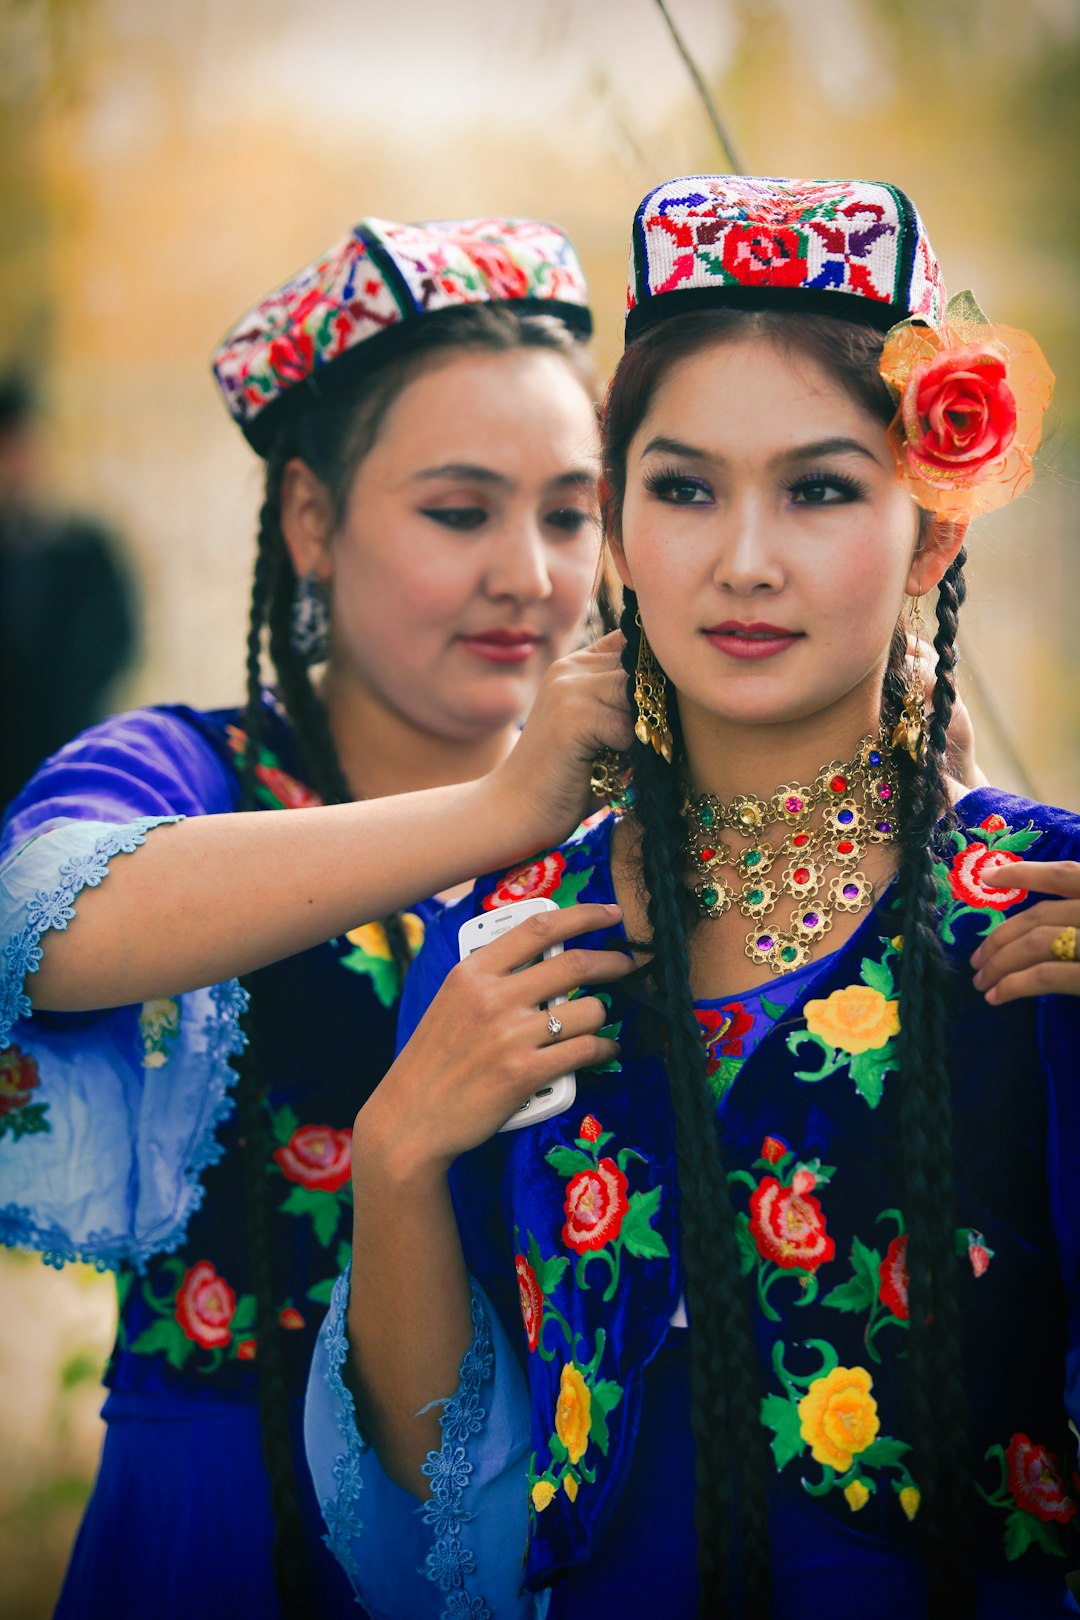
(732, 1461)
(332, 435)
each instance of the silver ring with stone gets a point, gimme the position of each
(554, 1026)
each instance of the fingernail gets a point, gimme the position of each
(992, 994)
(980, 980)
(976, 957)
(616, 911)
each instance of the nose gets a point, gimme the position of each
(518, 569)
(749, 559)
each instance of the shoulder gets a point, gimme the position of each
(579, 869)
(1019, 826)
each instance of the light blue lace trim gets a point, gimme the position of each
(343, 1522)
(449, 1469)
(225, 1038)
(23, 953)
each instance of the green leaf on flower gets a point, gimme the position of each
(611, 1032)
(868, 1070)
(243, 1318)
(783, 1418)
(165, 1336)
(344, 1254)
(879, 977)
(283, 1122)
(833, 1060)
(771, 1009)
(379, 969)
(883, 1453)
(571, 886)
(321, 1207)
(722, 1079)
(28, 1121)
(322, 1291)
(963, 307)
(637, 1233)
(549, 1273)
(606, 1395)
(1023, 1530)
(568, 1161)
(748, 1252)
(1014, 842)
(850, 1296)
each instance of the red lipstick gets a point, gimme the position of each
(503, 646)
(756, 640)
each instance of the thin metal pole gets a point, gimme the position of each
(727, 147)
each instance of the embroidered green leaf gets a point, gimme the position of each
(783, 1418)
(568, 1161)
(722, 1079)
(381, 971)
(549, 1273)
(748, 1253)
(584, 1143)
(637, 1233)
(605, 1396)
(942, 891)
(833, 1059)
(322, 1208)
(868, 1070)
(1015, 842)
(771, 1009)
(558, 1451)
(165, 1336)
(624, 1155)
(879, 977)
(571, 886)
(243, 1318)
(283, 1122)
(344, 1254)
(28, 1121)
(883, 1453)
(849, 1296)
(322, 1291)
(1022, 1530)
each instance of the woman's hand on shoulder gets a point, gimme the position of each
(580, 708)
(1037, 952)
(484, 1046)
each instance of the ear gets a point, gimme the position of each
(937, 550)
(307, 520)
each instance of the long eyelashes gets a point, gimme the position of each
(679, 488)
(813, 486)
(808, 489)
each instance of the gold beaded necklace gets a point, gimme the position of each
(858, 807)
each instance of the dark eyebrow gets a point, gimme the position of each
(578, 478)
(675, 447)
(802, 452)
(465, 472)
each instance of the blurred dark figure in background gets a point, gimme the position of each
(67, 606)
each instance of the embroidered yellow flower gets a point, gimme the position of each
(573, 1413)
(159, 1020)
(570, 1486)
(910, 1497)
(838, 1417)
(543, 1494)
(856, 1019)
(371, 937)
(856, 1495)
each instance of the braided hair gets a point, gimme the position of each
(331, 435)
(732, 1461)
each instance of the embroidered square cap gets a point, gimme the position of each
(852, 248)
(329, 320)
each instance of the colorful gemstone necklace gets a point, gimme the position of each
(857, 807)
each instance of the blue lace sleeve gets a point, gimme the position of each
(457, 1555)
(107, 1119)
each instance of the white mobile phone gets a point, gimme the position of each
(473, 936)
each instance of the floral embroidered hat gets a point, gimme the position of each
(970, 395)
(330, 319)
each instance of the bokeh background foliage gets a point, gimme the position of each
(163, 165)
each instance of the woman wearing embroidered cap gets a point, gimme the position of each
(429, 536)
(774, 1322)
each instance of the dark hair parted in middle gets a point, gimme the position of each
(730, 1441)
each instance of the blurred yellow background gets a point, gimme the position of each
(163, 165)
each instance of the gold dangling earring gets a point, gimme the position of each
(910, 731)
(650, 695)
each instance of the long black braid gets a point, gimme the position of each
(331, 436)
(725, 1413)
(725, 1389)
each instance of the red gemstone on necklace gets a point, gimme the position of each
(845, 846)
(838, 784)
(800, 839)
(706, 855)
(800, 875)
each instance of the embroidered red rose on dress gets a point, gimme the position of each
(723, 1032)
(1036, 1482)
(18, 1078)
(788, 1225)
(595, 1204)
(970, 866)
(532, 1300)
(893, 1272)
(317, 1157)
(590, 1128)
(205, 1305)
(527, 882)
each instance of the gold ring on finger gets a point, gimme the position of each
(1063, 946)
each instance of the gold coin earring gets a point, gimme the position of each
(650, 696)
(909, 733)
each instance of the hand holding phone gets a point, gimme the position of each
(483, 930)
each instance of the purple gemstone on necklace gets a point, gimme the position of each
(765, 942)
(850, 890)
(811, 919)
(884, 826)
(845, 816)
(793, 805)
(884, 791)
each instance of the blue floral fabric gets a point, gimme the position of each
(572, 1230)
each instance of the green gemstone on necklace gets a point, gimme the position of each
(788, 954)
(709, 897)
(707, 816)
(755, 897)
(753, 857)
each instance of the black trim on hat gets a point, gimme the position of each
(343, 369)
(844, 306)
(909, 237)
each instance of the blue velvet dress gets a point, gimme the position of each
(119, 1146)
(564, 1485)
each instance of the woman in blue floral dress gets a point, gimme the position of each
(783, 1315)
(429, 538)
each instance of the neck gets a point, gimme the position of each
(731, 758)
(382, 752)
